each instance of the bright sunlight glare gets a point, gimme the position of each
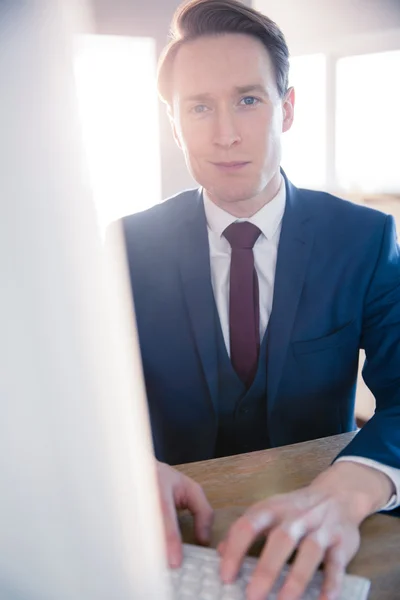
(304, 145)
(119, 115)
(368, 123)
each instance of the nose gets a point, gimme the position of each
(226, 133)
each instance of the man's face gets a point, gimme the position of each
(227, 115)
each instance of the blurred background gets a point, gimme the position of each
(345, 66)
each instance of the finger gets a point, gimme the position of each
(334, 571)
(239, 539)
(337, 558)
(197, 503)
(172, 533)
(310, 555)
(281, 543)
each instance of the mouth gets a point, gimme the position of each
(231, 166)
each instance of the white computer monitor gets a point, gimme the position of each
(79, 513)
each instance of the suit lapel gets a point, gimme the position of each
(293, 256)
(194, 263)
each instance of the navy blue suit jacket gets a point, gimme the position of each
(337, 289)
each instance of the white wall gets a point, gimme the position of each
(339, 26)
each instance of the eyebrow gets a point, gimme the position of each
(242, 89)
(197, 98)
(255, 87)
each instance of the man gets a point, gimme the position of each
(253, 299)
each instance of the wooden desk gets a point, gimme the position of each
(234, 483)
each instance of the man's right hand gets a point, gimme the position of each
(178, 492)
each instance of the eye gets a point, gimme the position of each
(249, 101)
(199, 109)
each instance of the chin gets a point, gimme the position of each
(235, 193)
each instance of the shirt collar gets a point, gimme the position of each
(267, 219)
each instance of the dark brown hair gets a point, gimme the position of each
(199, 18)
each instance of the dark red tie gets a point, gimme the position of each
(244, 312)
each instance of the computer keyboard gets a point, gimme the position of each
(198, 578)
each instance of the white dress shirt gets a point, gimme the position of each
(269, 220)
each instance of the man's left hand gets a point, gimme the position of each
(320, 521)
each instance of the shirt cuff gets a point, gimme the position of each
(391, 472)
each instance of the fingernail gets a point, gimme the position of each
(175, 559)
(174, 562)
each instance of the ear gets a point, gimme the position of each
(173, 127)
(288, 109)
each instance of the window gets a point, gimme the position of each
(368, 123)
(304, 145)
(119, 113)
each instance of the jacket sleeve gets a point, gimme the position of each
(379, 439)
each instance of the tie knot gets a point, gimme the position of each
(242, 235)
